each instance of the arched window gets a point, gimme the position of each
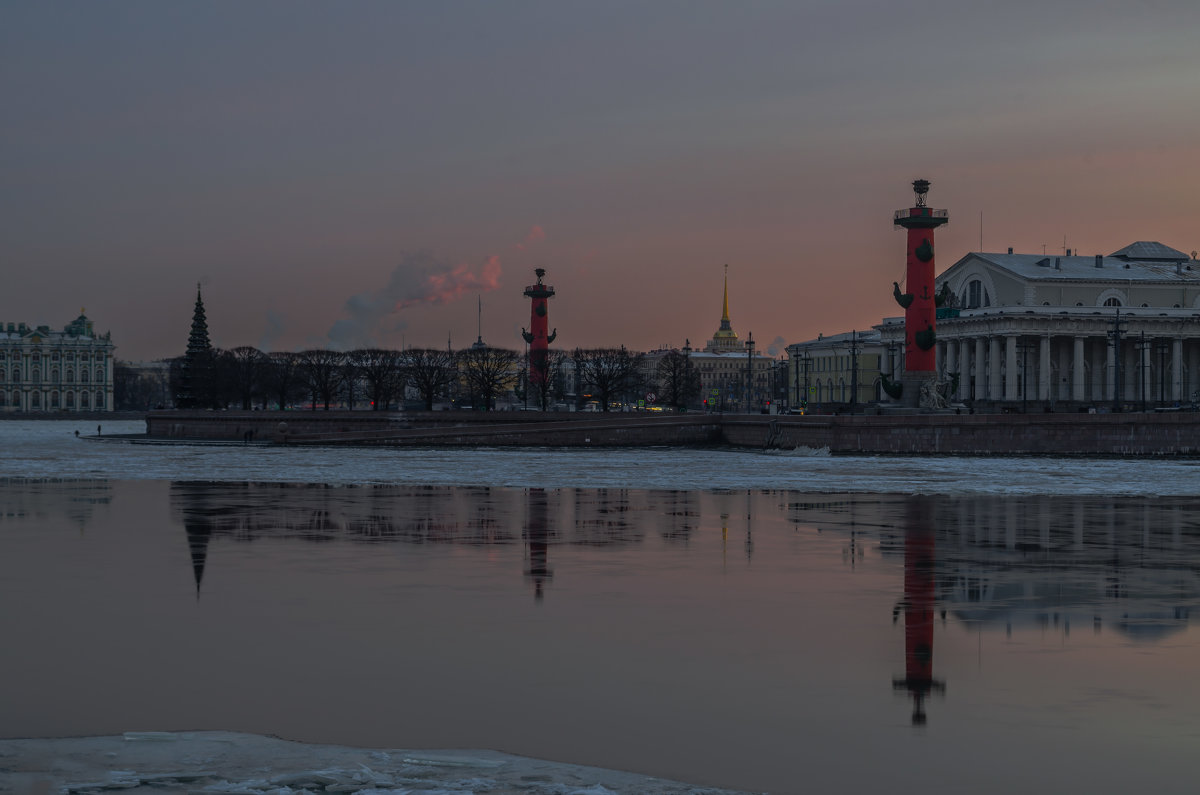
(37, 375)
(35, 400)
(976, 295)
(54, 376)
(83, 376)
(83, 400)
(99, 376)
(70, 400)
(53, 400)
(842, 387)
(16, 374)
(99, 400)
(1112, 301)
(70, 376)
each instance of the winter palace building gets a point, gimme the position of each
(44, 370)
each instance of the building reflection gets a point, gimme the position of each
(23, 499)
(1004, 564)
(455, 515)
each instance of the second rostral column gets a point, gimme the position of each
(539, 322)
(919, 384)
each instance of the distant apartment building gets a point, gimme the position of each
(46, 370)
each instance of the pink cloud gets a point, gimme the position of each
(447, 286)
(536, 235)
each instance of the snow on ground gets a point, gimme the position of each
(50, 449)
(224, 763)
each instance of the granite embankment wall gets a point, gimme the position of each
(977, 434)
(1174, 434)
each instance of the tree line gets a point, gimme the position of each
(382, 379)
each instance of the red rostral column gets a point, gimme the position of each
(920, 304)
(539, 321)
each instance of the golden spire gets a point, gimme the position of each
(725, 306)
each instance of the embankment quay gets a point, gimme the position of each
(1134, 434)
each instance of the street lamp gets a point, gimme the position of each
(749, 370)
(1024, 347)
(1163, 347)
(853, 349)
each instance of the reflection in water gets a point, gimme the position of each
(918, 603)
(76, 500)
(640, 648)
(537, 537)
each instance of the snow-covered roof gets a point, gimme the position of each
(1149, 250)
(1144, 261)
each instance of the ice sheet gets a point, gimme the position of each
(50, 449)
(224, 763)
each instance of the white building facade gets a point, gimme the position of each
(835, 372)
(44, 370)
(1068, 332)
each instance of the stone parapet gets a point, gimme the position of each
(1164, 434)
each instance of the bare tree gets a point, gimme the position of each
(430, 371)
(488, 373)
(244, 372)
(350, 379)
(608, 373)
(283, 379)
(547, 380)
(382, 373)
(678, 380)
(322, 373)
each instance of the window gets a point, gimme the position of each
(1112, 302)
(99, 376)
(54, 376)
(974, 294)
(37, 375)
(83, 376)
(99, 400)
(70, 400)
(83, 400)
(35, 400)
(53, 400)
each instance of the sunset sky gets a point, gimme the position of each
(345, 174)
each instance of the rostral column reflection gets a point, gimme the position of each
(537, 536)
(918, 603)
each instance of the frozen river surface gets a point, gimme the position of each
(769, 622)
(50, 449)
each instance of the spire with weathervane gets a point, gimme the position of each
(726, 339)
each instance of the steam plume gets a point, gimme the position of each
(419, 278)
